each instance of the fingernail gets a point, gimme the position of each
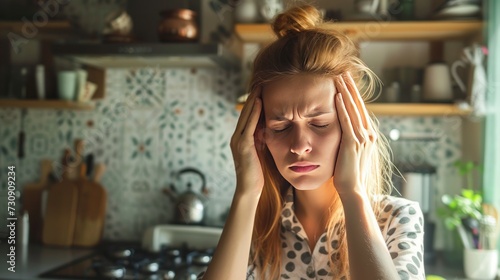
(339, 96)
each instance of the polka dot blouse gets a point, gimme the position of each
(400, 221)
(401, 224)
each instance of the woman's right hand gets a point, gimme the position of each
(249, 177)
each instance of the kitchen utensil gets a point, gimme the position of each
(22, 135)
(79, 151)
(189, 206)
(471, 226)
(89, 221)
(487, 234)
(32, 199)
(60, 215)
(89, 161)
(490, 210)
(178, 25)
(437, 83)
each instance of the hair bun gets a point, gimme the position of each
(296, 19)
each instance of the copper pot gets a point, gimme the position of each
(178, 25)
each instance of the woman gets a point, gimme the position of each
(312, 170)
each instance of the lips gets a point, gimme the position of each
(303, 167)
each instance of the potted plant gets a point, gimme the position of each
(461, 215)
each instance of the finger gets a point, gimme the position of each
(351, 109)
(253, 120)
(351, 85)
(245, 113)
(344, 119)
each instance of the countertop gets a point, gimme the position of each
(35, 259)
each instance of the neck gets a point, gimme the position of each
(315, 203)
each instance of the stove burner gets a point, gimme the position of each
(134, 263)
(112, 272)
(169, 275)
(120, 253)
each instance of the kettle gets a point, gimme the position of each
(189, 205)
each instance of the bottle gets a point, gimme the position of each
(23, 80)
(23, 230)
(392, 93)
(415, 93)
(40, 81)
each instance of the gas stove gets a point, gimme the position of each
(167, 252)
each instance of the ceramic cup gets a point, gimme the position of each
(437, 83)
(66, 85)
(480, 264)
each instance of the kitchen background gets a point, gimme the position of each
(157, 120)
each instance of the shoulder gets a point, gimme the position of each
(398, 210)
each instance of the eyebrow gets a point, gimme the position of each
(281, 117)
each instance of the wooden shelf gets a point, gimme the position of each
(50, 25)
(47, 104)
(380, 30)
(411, 109)
(417, 109)
(50, 30)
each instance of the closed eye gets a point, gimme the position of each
(280, 129)
(320, 126)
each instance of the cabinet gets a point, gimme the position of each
(15, 35)
(434, 32)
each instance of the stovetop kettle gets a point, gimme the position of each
(190, 206)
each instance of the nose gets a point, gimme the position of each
(300, 143)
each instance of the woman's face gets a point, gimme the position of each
(302, 130)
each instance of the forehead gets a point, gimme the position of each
(300, 92)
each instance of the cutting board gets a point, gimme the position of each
(32, 200)
(60, 214)
(91, 211)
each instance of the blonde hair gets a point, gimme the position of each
(305, 46)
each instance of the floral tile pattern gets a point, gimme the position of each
(155, 121)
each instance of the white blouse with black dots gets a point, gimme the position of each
(400, 221)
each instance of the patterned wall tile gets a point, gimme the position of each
(146, 87)
(10, 120)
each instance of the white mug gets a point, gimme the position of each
(480, 264)
(437, 83)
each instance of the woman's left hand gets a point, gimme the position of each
(357, 145)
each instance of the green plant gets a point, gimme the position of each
(466, 205)
(458, 207)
